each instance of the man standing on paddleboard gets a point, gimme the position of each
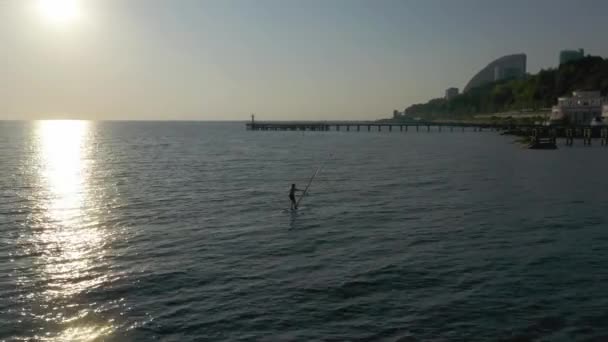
(292, 196)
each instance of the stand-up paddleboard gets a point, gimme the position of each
(294, 211)
(308, 186)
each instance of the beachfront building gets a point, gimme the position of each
(581, 108)
(451, 93)
(566, 56)
(507, 67)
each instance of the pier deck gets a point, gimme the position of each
(587, 133)
(356, 125)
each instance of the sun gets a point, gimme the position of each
(59, 12)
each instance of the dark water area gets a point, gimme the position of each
(140, 231)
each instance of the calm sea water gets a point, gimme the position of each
(178, 232)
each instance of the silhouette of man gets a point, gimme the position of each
(292, 196)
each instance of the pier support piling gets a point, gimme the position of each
(587, 135)
(569, 137)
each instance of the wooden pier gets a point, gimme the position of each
(570, 133)
(358, 126)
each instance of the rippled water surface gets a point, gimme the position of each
(178, 232)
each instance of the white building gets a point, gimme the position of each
(580, 109)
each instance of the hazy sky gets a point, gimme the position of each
(282, 59)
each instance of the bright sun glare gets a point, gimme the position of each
(59, 12)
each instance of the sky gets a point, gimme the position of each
(280, 59)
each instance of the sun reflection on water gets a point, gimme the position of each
(68, 239)
(63, 148)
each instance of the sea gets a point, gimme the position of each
(181, 231)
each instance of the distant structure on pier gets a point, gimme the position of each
(582, 108)
(507, 67)
(451, 93)
(566, 56)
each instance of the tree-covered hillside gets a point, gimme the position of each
(532, 93)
